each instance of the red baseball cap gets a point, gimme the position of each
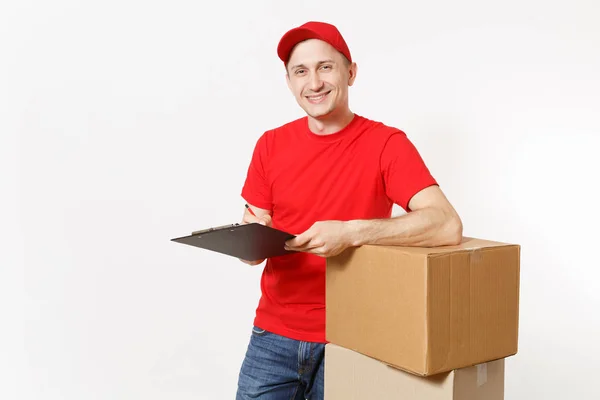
(312, 30)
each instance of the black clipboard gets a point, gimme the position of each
(248, 242)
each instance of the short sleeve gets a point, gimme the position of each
(403, 169)
(256, 189)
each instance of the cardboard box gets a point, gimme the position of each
(353, 376)
(426, 310)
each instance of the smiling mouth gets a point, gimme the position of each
(318, 98)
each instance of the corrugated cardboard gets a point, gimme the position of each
(426, 310)
(353, 376)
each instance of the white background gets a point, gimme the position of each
(126, 123)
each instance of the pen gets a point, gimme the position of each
(249, 209)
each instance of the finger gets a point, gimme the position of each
(322, 251)
(256, 262)
(250, 219)
(316, 250)
(265, 220)
(309, 246)
(299, 241)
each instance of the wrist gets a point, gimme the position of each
(355, 233)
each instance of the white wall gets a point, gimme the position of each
(126, 123)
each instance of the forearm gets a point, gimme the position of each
(427, 227)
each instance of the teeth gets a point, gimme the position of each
(317, 97)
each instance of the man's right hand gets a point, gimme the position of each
(263, 218)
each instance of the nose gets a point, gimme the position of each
(315, 82)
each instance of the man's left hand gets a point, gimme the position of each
(324, 238)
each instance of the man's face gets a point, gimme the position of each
(319, 77)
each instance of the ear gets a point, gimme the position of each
(353, 69)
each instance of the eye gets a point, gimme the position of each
(299, 71)
(326, 67)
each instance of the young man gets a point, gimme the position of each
(331, 178)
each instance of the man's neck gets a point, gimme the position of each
(330, 124)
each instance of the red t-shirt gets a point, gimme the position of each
(302, 178)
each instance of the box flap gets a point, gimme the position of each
(472, 306)
(467, 244)
(480, 382)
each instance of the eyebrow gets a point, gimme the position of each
(318, 63)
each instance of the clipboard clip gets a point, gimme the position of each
(215, 228)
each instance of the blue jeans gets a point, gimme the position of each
(279, 368)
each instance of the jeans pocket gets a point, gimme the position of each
(258, 331)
